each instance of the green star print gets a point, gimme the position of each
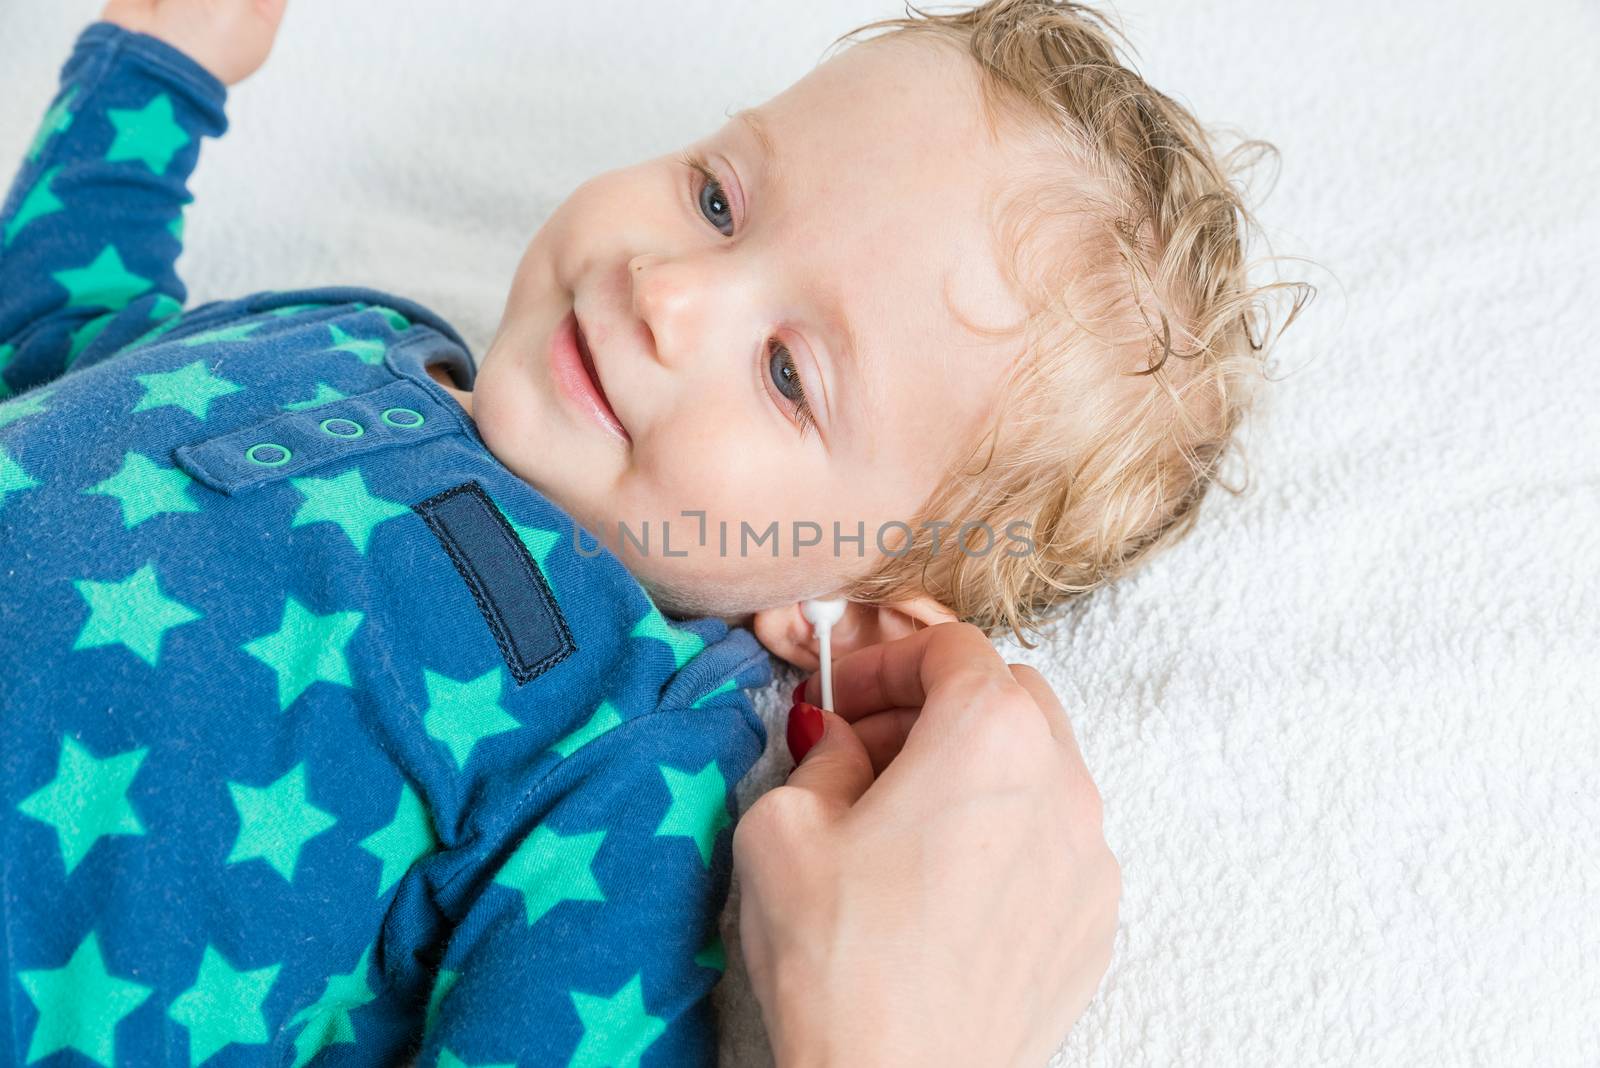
(549, 868)
(40, 201)
(87, 800)
(237, 332)
(442, 984)
(133, 612)
(406, 838)
(165, 313)
(713, 954)
(344, 500)
(685, 644)
(450, 1060)
(616, 1030)
(104, 283)
(223, 1006)
(605, 718)
(191, 387)
(150, 134)
(699, 808)
(145, 488)
(328, 1021)
(462, 714)
(56, 120)
(13, 479)
(276, 821)
(84, 336)
(364, 349)
(31, 403)
(305, 649)
(325, 394)
(80, 1005)
(538, 542)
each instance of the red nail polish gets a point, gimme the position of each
(805, 729)
(800, 691)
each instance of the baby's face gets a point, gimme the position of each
(775, 342)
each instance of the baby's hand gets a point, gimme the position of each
(229, 38)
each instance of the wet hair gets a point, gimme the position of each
(1145, 340)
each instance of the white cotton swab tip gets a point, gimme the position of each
(822, 613)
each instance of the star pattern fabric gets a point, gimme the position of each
(403, 841)
(616, 1030)
(80, 1005)
(13, 479)
(550, 867)
(223, 1006)
(87, 800)
(151, 134)
(276, 821)
(463, 713)
(302, 766)
(103, 282)
(39, 202)
(345, 501)
(306, 648)
(191, 387)
(56, 120)
(144, 488)
(699, 809)
(133, 613)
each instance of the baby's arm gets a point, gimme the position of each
(89, 233)
(590, 938)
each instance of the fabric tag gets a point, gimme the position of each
(505, 582)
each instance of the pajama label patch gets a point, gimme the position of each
(507, 585)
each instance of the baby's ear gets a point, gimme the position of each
(786, 633)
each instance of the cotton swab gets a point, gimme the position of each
(823, 613)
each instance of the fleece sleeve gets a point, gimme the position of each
(591, 937)
(92, 226)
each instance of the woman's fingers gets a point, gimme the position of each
(1054, 713)
(901, 673)
(884, 733)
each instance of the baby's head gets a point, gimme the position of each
(971, 271)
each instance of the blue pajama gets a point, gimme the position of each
(324, 738)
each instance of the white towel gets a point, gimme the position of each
(1348, 733)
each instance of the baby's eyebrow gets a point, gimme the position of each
(843, 335)
(771, 164)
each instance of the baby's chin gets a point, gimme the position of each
(733, 591)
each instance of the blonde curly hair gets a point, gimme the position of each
(1129, 243)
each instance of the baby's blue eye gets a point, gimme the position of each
(711, 193)
(785, 375)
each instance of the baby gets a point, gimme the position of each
(364, 703)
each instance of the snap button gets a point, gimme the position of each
(268, 454)
(343, 428)
(402, 417)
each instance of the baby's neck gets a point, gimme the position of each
(463, 397)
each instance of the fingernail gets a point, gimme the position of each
(805, 729)
(800, 691)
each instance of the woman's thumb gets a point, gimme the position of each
(832, 762)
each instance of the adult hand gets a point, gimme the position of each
(932, 885)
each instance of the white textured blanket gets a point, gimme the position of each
(1349, 733)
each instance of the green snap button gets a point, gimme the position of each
(268, 454)
(343, 428)
(402, 417)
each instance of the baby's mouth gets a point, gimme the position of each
(594, 375)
